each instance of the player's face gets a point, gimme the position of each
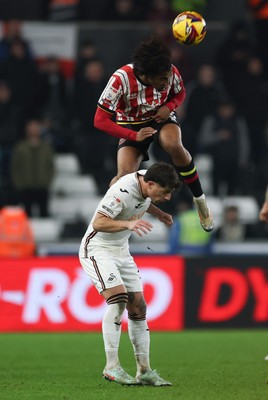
(157, 193)
(160, 82)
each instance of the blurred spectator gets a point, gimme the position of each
(203, 96)
(182, 5)
(32, 170)
(8, 131)
(251, 95)
(259, 14)
(186, 237)
(87, 92)
(123, 10)
(51, 93)
(232, 229)
(224, 136)
(183, 61)
(89, 140)
(160, 10)
(232, 55)
(20, 72)
(13, 31)
(87, 52)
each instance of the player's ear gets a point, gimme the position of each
(151, 184)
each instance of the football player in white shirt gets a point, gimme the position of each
(104, 255)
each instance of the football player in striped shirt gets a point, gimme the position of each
(143, 97)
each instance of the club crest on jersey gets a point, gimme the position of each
(111, 278)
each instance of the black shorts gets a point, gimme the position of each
(144, 145)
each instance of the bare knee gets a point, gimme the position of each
(136, 307)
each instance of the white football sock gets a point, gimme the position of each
(140, 338)
(111, 331)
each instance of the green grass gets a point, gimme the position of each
(209, 365)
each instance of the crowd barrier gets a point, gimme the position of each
(49, 294)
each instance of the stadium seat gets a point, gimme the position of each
(75, 186)
(45, 229)
(66, 164)
(73, 208)
(215, 204)
(204, 164)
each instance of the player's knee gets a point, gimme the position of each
(119, 303)
(137, 312)
(174, 148)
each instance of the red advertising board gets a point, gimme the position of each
(226, 292)
(55, 294)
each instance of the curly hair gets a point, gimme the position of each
(152, 57)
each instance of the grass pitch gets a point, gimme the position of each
(202, 365)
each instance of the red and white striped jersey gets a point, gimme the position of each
(133, 101)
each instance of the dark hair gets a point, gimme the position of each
(152, 57)
(164, 174)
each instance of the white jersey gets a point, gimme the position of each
(123, 201)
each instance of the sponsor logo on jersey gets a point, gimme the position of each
(124, 190)
(136, 216)
(110, 95)
(107, 209)
(138, 205)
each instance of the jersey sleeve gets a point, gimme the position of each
(103, 121)
(111, 206)
(111, 95)
(177, 93)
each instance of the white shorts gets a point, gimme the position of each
(110, 267)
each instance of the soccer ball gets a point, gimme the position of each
(189, 27)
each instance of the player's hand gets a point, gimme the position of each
(264, 212)
(140, 226)
(162, 114)
(166, 219)
(144, 133)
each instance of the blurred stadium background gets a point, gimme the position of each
(55, 59)
(206, 294)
